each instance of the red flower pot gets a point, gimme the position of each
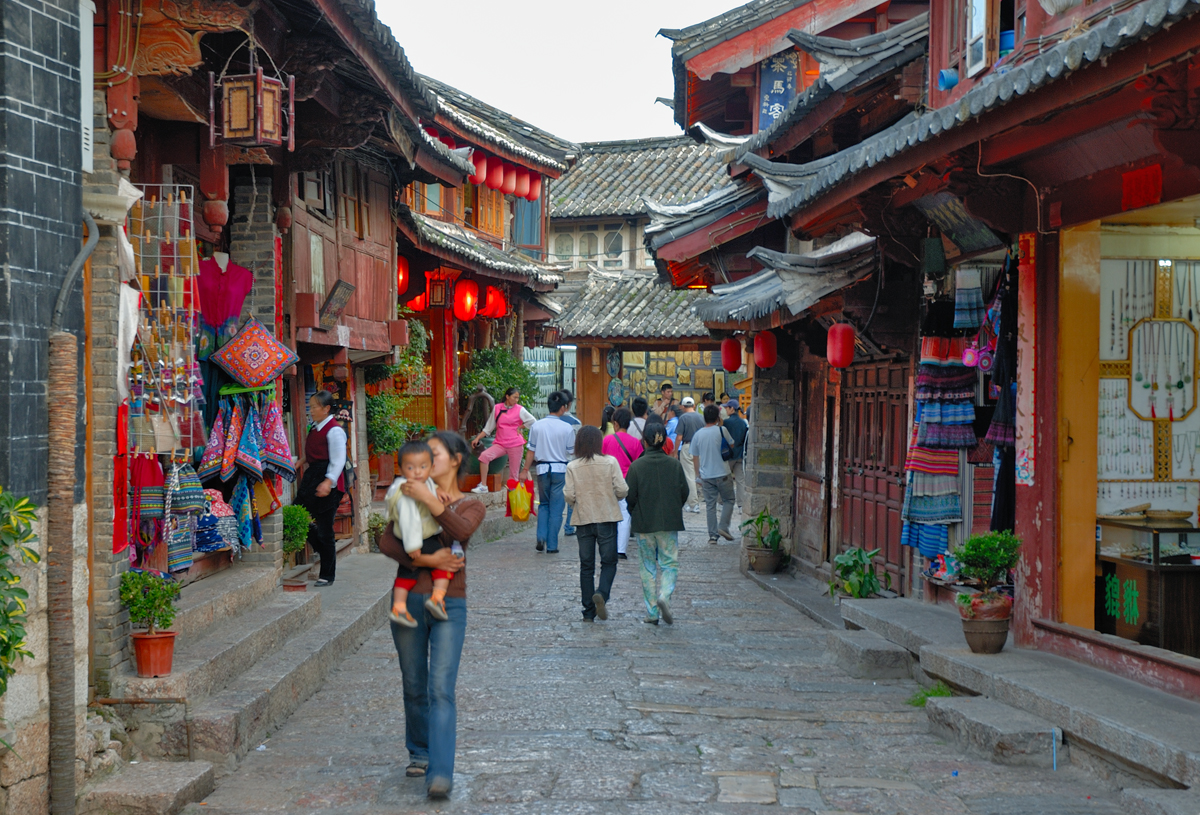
(154, 652)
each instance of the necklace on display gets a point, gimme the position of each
(1170, 341)
(1137, 360)
(1112, 325)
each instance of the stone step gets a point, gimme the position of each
(236, 719)
(996, 731)
(148, 788)
(215, 599)
(1161, 802)
(206, 663)
(865, 655)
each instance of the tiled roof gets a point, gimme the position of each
(614, 178)
(631, 305)
(669, 222)
(503, 130)
(793, 186)
(700, 37)
(459, 158)
(791, 283)
(433, 235)
(846, 64)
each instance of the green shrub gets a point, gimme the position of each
(988, 558)
(498, 370)
(854, 574)
(17, 516)
(295, 528)
(763, 529)
(149, 598)
(387, 429)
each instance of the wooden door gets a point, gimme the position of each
(874, 417)
(813, 472)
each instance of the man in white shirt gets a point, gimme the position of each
(551, 445)
(323, 484)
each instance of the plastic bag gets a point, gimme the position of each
(520, 499)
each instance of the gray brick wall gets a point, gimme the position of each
(770, 454)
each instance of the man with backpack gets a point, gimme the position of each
(711, 449)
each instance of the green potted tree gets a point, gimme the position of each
(151, 603)
(296, 521)
(762, 539)
(986, 560)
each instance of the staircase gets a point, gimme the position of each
(247, 656)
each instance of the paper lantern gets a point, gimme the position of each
(418, 303)
(766, 350)
(731, 354)
(481, 168)
(510, 179)
(432, 131)
(839, 345)
(449, 142)
(401, 275)
(495, 174)
(466, 300)
(494, 304)
(522, 189)
(535, 187)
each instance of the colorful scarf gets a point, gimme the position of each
(233, 437)
(276, 453)
(214, 451)
(248, 455)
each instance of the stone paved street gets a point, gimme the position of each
(733, 709)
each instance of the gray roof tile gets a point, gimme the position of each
(631, 305)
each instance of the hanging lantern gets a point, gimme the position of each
(495, 174)
(418, 303)
(449, 142)
(481, 168)
(522, 188)
(766, 350)
(510, 179)
(731, 354)
(535, 187)
(432, 131)
(252, 109)
(466, 300)
(401, 275)
(493, 303)
(839, 345)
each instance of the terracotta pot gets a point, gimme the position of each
(985, 636)
(154, 652)
(762, 559)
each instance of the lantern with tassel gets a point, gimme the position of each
(481, 168)
(466, 300)
(535, 187)
(766, 350)
(839, 345)
(731, 354)
(495, 174)
(401, 275)
(510, 179)
(522, 188)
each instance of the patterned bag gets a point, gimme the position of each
(276, 453)
(187, 496)
(214, 451)
(233, 437)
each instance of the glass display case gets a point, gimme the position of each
(1148, 584)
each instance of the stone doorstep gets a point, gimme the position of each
(1120, 720)
(148, 788)
(220, 597)
(998, 732)
(865, 655)
(206, 663)
(236, 719)
(1161, 802)
(803, 593)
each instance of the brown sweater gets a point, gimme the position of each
(459, 522)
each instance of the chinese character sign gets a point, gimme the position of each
(776, 88)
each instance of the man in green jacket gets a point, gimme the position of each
(657, 492)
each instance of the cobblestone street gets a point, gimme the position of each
(733, 709)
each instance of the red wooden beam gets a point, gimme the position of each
(1147, 56)
(731, 226)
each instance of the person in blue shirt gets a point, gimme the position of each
(570, 419)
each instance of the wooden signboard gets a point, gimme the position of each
(335, 304)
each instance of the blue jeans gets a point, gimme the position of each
(429, 657)
(550, 508)
(567, 528)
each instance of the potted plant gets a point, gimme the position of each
(761, 539)
(296, 521)
(376, 523)
(150, 599)
(854, 574)
(986, 560)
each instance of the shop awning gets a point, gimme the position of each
(791, 282)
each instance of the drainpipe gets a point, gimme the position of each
(60, 549)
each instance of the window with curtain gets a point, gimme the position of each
(614, 244)
(589, 246)
(564, 248)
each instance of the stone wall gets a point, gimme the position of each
(770, 444)
(252, 236)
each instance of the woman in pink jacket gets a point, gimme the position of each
(506, 421)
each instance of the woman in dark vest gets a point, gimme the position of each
(323, 484)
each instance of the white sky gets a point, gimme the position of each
(582, 71)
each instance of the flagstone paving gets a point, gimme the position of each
(733, 709)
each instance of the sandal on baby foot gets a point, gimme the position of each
(437, 608)
(404, 619)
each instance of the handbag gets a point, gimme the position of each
(620, 444)
(726, 446)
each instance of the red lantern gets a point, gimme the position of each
(449, 142)
(401, 275)
(731, 354)
(481, 168)
(493, 303)
(535, 187)
(495, 174)
(432, 131)
(418, 303)
(466, 300)
(522, 190)
(766, 350)
(510, 180)
(839, 345)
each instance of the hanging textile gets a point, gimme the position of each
(276, 452)
(233, 437)
(968, 298)
(930, 540)
(214, 451)
(1003, 430)
(121, 481)
(248, 454)
(180, 540)
(243, 508)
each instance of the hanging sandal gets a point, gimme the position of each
(406, 620)
(437, 608)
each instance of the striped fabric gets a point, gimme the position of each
(942, 351)
(946, 412)
(934, 462)
(930, 540)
